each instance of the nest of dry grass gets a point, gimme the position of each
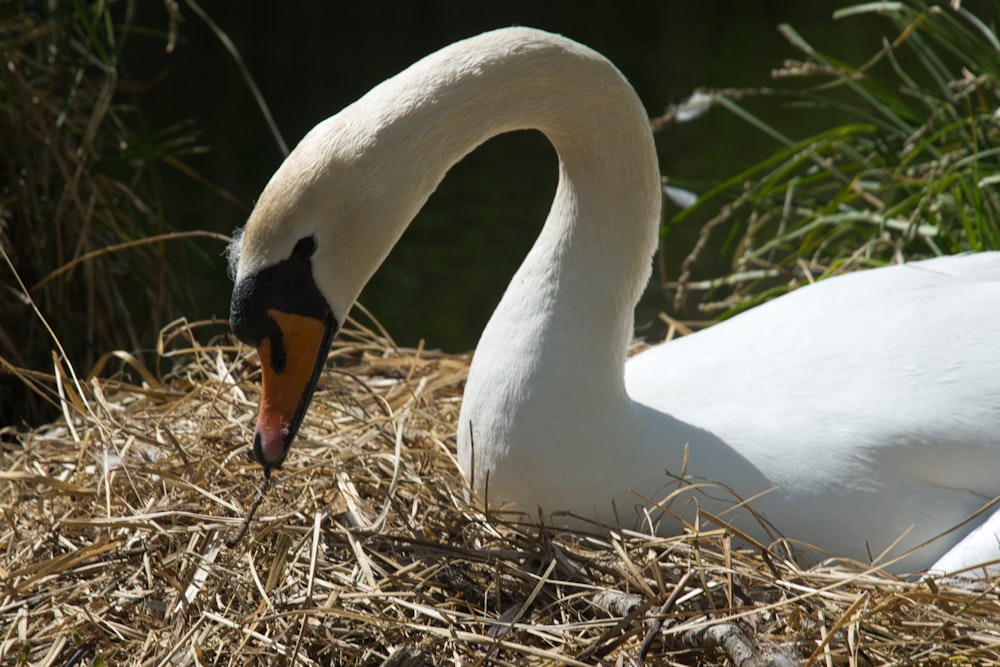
(365, 550)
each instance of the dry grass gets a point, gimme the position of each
(365, 550)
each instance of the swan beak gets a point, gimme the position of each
(291, 360)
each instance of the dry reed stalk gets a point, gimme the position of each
(367, 552)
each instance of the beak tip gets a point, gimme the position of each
(260, 450)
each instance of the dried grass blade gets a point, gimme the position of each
(201, 573)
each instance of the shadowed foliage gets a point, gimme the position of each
(908, 168)
(84, 221)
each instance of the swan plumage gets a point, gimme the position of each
(854, 411)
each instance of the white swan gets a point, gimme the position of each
(869, 403)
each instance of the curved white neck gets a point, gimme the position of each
(366, 172)
(579, 284)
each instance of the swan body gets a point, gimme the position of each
(856, 411)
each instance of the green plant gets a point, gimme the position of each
(908, 170)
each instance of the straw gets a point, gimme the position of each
(366, 549)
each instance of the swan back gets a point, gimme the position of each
(869, 402)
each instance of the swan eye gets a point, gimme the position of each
(305, 247)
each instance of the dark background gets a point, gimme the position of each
(444, 278)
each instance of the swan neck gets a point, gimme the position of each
(593, 255)
(363, 175)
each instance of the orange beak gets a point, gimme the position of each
(291, 362)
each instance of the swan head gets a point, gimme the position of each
(323, 224)
(280, 311)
